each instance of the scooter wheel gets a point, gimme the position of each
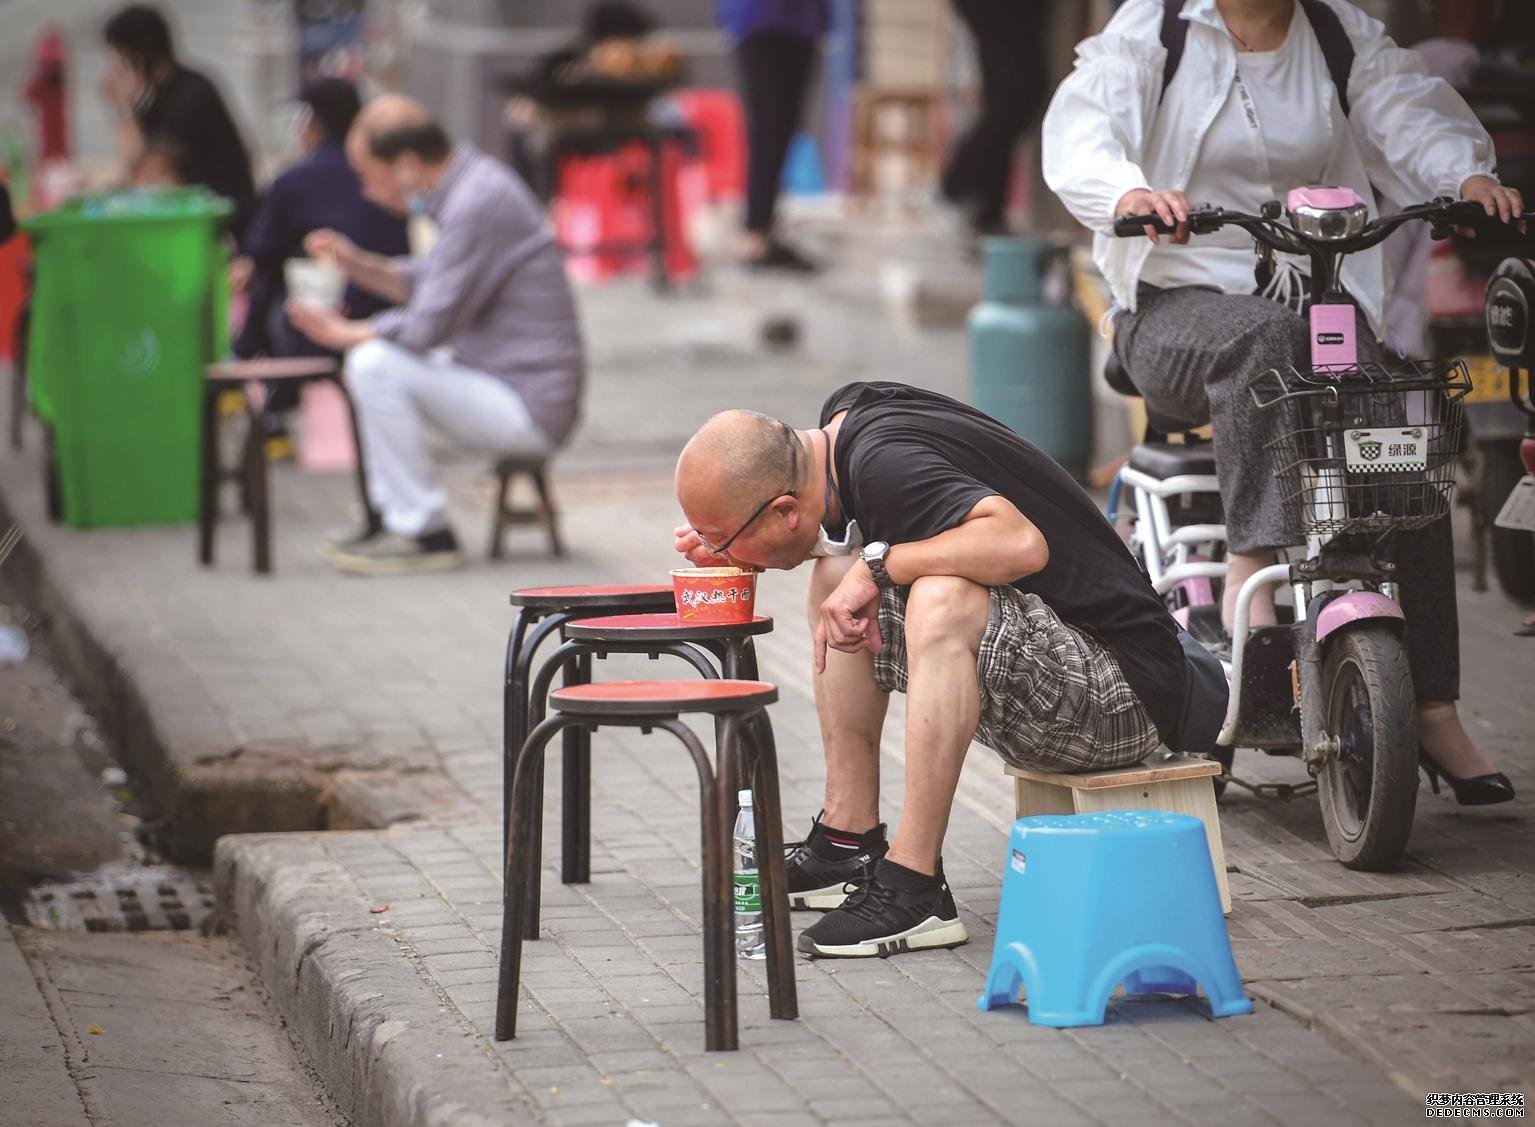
(1369, 790)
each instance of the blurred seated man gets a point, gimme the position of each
(319, 192)
(485, 343)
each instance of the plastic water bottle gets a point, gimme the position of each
(749, 944)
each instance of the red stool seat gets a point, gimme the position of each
(660, 628)
(644, 595)
(661, 698)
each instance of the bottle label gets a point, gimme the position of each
(748, 893)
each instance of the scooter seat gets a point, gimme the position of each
(1163, 460)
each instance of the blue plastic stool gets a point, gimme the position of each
(1093, 900)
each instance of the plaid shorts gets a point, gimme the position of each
(1052, 697)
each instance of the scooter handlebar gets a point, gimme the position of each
(1202, 220)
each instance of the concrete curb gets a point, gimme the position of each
(389, 1047)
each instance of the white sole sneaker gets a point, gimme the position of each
(930, 933)
(819, 899)
(396, 565)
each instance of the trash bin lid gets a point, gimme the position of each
(159, 206)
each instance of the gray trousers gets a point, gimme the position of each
(1192, 352)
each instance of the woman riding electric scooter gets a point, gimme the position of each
(1238, 101)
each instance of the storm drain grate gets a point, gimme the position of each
(146, 900)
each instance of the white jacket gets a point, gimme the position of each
(1408, 134)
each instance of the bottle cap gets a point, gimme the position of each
(745, 798)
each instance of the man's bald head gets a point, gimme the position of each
(396, 147)
(736, 461)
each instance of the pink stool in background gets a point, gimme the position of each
(325, 429)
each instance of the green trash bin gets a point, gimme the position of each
(130, 302)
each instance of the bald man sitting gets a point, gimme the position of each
(484, 344)
(958, 564)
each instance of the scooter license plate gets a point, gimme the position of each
(1519, 510)
(1385, 449)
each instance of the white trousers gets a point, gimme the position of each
(396, 393)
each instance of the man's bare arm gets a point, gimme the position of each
(994, 545)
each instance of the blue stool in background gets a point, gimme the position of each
(1093, 900)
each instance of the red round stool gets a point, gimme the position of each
(744, 752)
(545, 611)
(541, 613)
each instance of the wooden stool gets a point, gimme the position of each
(251, 377)
(1182, 784)
(918, 136)
(506, 514)
(744, 753)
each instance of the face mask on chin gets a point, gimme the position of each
(851, 542)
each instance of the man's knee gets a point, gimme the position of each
(369, 363)
(825, 574)
(945, 609)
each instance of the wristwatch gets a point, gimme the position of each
(873, 555)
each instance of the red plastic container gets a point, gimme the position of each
(714, 595)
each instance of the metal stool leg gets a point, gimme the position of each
(521, 872)
(783, 998)
(537, 701)
(719, 864)
(718, 900)
(514, 704)
(576, 789)
(517, 716)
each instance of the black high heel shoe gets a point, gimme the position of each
(1483, 790)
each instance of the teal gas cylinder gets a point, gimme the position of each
(1029, 357)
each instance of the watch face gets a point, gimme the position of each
(875, 550)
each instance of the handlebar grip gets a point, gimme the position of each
(1129, 226)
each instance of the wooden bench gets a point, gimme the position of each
(1183, 784)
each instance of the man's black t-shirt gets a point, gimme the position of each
(189, 111)
(912, 463)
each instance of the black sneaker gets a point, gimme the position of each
(779, 255)
(820, 871)
(879, 919)
(370, 526)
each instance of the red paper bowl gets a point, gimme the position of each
(714, 594)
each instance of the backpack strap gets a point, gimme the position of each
(1175, 33)
(1336, 48)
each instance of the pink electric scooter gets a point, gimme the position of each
(1363, 450)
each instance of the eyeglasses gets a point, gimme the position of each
(721, 549)
(794, 453)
